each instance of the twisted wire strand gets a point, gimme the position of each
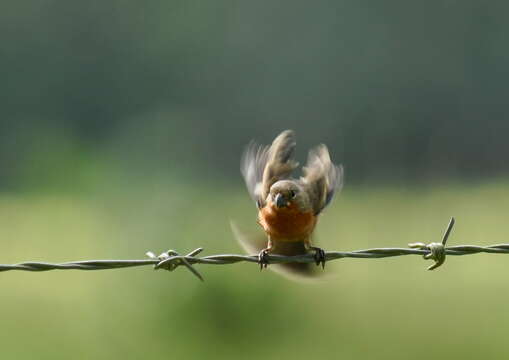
(224, 259)
(171, 260)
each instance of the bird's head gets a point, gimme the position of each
(286, 194)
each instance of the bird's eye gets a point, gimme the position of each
(292, 194)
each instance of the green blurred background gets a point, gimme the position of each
(121, 129)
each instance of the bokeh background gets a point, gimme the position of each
(121, 129)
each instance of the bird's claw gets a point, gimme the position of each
(262, 258)
(319, 256)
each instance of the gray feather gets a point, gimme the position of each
(321, 177)
(252, 166)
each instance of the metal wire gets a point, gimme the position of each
(171, 260)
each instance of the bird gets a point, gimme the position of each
(288, 208)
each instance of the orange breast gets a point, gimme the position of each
(287, 224)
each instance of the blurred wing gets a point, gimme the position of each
(252, 243)
(322, 178)
(262, 166)
(252, 165)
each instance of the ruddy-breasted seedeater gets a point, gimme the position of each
(288, 208)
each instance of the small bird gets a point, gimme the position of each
(288, 208)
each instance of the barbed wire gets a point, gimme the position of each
(170, 260)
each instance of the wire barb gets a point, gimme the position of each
(171, 259)
(437, 251)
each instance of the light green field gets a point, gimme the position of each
(373, 309)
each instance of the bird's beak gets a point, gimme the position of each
(280, 200)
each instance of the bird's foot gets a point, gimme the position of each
(262, 258)
(319, 256)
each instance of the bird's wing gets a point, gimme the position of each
(262, 166)
(322, 179)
